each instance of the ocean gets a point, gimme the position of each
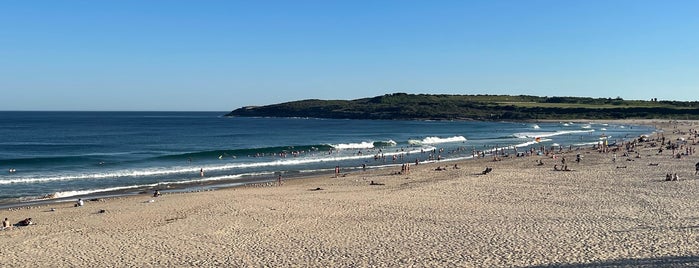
(49, 156)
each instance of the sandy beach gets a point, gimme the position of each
(602, 213)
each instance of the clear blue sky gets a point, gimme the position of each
(221, 55)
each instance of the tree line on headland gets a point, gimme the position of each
(402, 106)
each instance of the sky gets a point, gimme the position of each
(222, 55)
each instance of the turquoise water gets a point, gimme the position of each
(68, 154)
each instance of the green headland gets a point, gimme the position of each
(476, 107)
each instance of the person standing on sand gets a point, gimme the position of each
(697, 168)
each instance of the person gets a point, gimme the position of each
(156, 193)
(697, 169)
(201, 172)
(80, 203)
(279, 180)
(25, 222)
(6, 224)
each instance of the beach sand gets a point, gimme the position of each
(603, 213)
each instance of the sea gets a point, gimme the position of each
(59, 156)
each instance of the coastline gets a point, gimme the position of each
(519, 215)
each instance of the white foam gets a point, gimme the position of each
(362, 145)
(194, 171)
(529, 135)
(160, 184)
(529, 143)
(437, 140)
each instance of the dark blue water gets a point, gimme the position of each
(80, 153)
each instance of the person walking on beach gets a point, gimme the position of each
(279, 180)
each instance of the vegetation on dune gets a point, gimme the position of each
(476, 107)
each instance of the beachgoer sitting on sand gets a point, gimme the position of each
(6, 224)
(539, 162)
(555, 167)
(80, 203)
(25, 222)
(156, 193)
(456, 166)
(487, 170)
(675, 177)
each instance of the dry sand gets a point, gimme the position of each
(520, 215)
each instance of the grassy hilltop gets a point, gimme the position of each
(475, 107)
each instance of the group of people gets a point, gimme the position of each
(7, 225)
(672, 177)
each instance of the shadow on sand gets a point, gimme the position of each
(670, 261)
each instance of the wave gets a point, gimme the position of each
(536, 126)
(164, 184)
(389, 143)
(530, 135)
(179, 170)
(362, 145)
(529, 143)
(365, 145)
(437, 140)
(235, 153)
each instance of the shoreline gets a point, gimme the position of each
(198, 186)
(603, 212)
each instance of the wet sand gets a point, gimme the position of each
(602, 213)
